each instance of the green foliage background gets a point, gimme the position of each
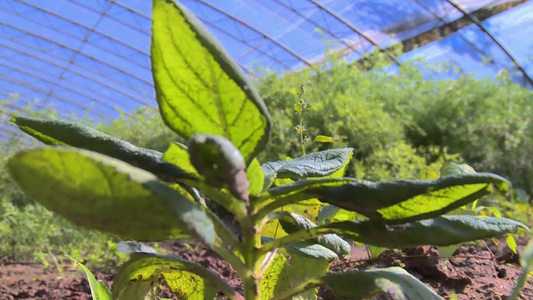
(400, 125)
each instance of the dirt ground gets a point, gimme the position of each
(471, 272)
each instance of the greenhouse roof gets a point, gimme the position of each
(91, 57)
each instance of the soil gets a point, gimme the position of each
(472, 272)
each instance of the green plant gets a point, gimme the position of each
(104, 183)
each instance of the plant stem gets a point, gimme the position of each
(302, 131)
(251, 240)
(519, 284)
(230, 257)
(224, 232)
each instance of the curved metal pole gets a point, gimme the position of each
(493, 38)
(284, 47)
(348, 45)
(359, 32)
(446, 23)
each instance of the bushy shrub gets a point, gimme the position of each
(394, 118)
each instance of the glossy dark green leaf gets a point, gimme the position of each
(99, 192)
(220, 162)
(199, 88)
(441, 231)
(392, 201)
(291, 223)
(185, 279)
(365, 284)
(56, 132)
(318, 164)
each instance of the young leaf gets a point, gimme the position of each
(103, 193)
(441, 231)
(511, 243)
(177, 154)
(326, 139)
(363, 284)
(318, 164)
(198, 86)
(391, 201)
(56, 132)
(99, 291)
(185, 279)
(217, 159)
(255, 177)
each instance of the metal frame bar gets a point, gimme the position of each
(348, 45)
(112, 17)
(57, 83)
(27, 100)
(446, 23)
(86, 28)
(79, 74)
(58, 97)
(218, 28)
(74, 50)
(73, 57)
(493, 38)
(360, 33)
(265, 35)
(76, 64)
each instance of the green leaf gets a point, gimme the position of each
(526, 260)
(325, 139)
(199, 88)
(187, 280)
(220, 162)
(177, 154)
(299, 270)
(99, 291)
(451, 168)
(307, 249)
(441, 231)
(511, 243)
(392, 201)
(298, 107)
(128, 247)
(255, 177)
(363, 284)
(318, 164)
(56, 132)
(103, 193)
(292, 223)
(331, 213)
(271, 276)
